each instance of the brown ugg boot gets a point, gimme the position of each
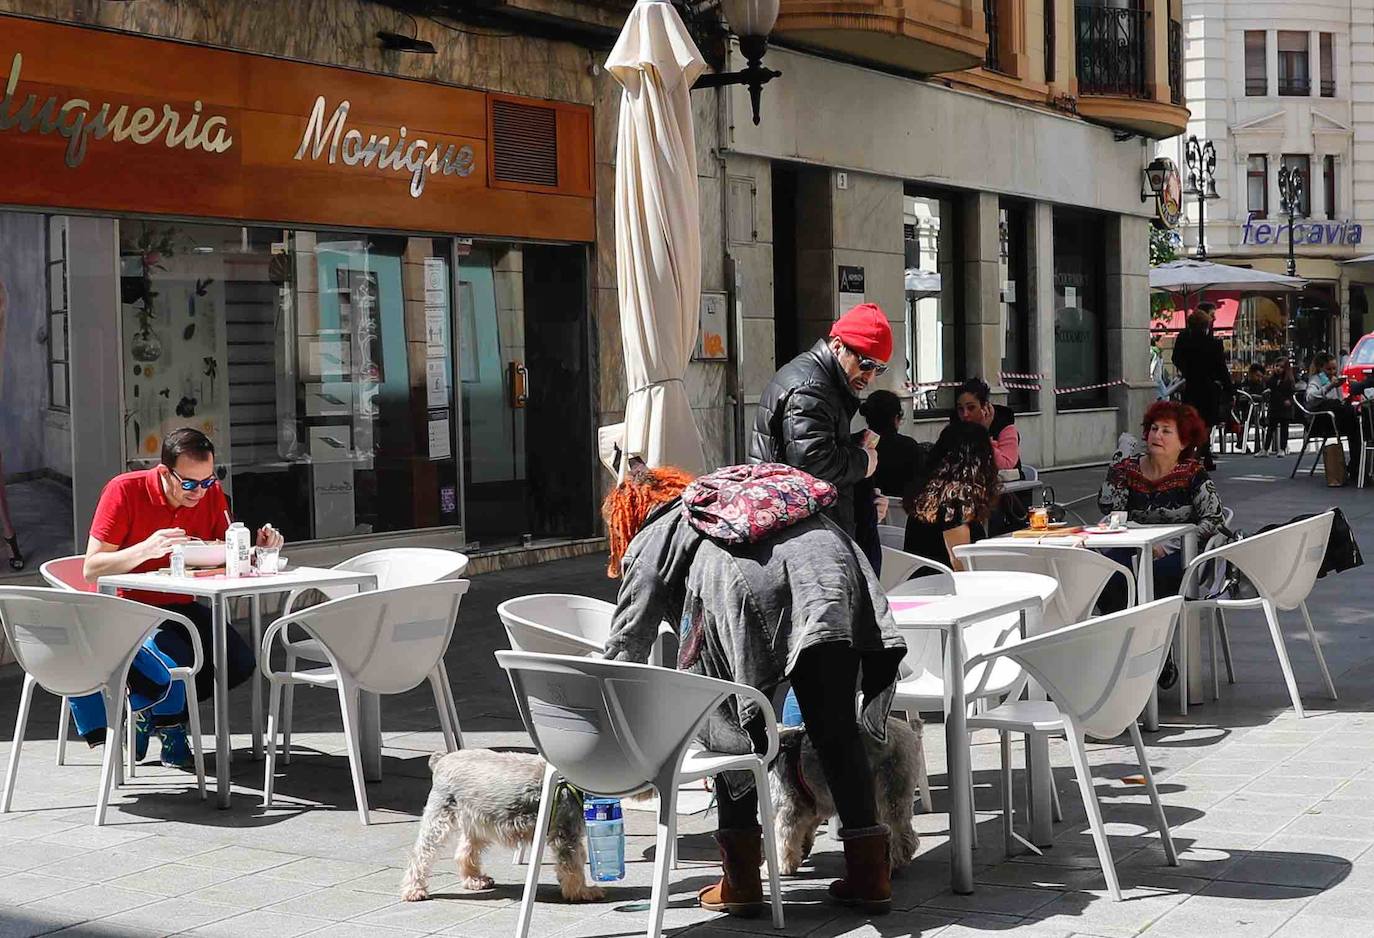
(740, 890)
(868, 879)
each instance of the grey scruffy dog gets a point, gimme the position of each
(487, 797)
(802, 797)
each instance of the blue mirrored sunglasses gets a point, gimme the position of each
(190, 485)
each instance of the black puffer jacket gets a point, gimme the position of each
(804, 419)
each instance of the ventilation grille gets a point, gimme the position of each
(524, 143)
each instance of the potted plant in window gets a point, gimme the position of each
(146, 255)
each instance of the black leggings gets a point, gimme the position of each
(825, 681)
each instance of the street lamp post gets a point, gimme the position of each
(1201, 159)
(1291, 184)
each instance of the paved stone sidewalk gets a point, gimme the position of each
(1270, 813)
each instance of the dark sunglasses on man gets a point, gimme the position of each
(190, 485)
(869, 364)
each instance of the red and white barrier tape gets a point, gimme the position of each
(1019, 375)
(1090, 387)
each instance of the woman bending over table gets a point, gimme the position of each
(1165, 485)
(800, 603)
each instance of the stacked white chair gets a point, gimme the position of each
(393, 567)
(1099, 675)
(1282, 565)
(382, 642)
(72, 644)
(899, 567)
(612, 728)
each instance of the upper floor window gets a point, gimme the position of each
(1257, 186)
(1329, 184)
(1050, 41)
(1294, 77)
(1327, 65)
(1256, 62)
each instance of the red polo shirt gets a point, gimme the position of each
(133, 506)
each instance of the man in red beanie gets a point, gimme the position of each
(805, 412)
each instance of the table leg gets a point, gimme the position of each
(957, 758)
(1194, 636)
(223, 751)
(1144, 593)
(255, 605)
(370, 733)
(1040, 777)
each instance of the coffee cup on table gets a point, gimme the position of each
(1116, 520)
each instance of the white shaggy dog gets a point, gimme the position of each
(488, 797)
(802, 797)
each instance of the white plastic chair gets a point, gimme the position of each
(1282, 565)
(899, 566)
(72, 644)
(393, 567)
(892, 535)
(382, 642)
(1082, 574)
(613, 728)
(557, 623)
(1099, 675)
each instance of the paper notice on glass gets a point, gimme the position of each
(436, 382)
(439, 439)
(1070, 297)
(436, 340)
(436, 273)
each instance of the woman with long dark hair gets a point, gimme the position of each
(952, 501)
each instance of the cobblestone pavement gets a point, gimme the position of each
(1269, 812)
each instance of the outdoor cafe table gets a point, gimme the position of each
(978, 596)
(1142, 539)
(218, 589)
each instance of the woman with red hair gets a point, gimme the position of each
(792, 602)
(1167, 484)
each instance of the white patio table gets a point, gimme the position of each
(218, 589)
(1142, 539)
(978, 596)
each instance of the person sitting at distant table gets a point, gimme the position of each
(140, 517)
(899, 456)
(951, 503)
(1326, 391)
(973, 404)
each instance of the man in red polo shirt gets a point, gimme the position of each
(141, 516)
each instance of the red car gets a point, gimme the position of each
(1360, 366)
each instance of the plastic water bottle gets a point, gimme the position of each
(605, 839)
(791, 710)
(178, 562)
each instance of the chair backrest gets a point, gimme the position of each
(386, 640)
(1100, 672)
(609, 727)
(892, 535)
(1030, 473)
(1082, 574)
(898, 566)
(1283, 563)
(67, 573)
(407, 566)
(557, 623)
(73, 643)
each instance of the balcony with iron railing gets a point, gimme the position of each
(923, 36)
(1130, 67)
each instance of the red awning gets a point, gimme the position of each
(1228, 305)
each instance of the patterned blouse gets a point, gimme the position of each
(1186, 495)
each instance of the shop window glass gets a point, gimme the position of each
(1327, 65)
(320, 363)
(35, 429)
(934, 323)
(526, 391)
(1013, 285)
(1079, 309)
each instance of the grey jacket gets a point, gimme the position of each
(804, 420)
(746, 612)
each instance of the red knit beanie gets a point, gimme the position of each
(865, 330)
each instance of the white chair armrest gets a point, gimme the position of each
(744, 690)
(197, 651)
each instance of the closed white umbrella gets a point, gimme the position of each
(1190, 276)
(657, 236)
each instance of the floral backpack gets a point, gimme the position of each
(746, 504)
